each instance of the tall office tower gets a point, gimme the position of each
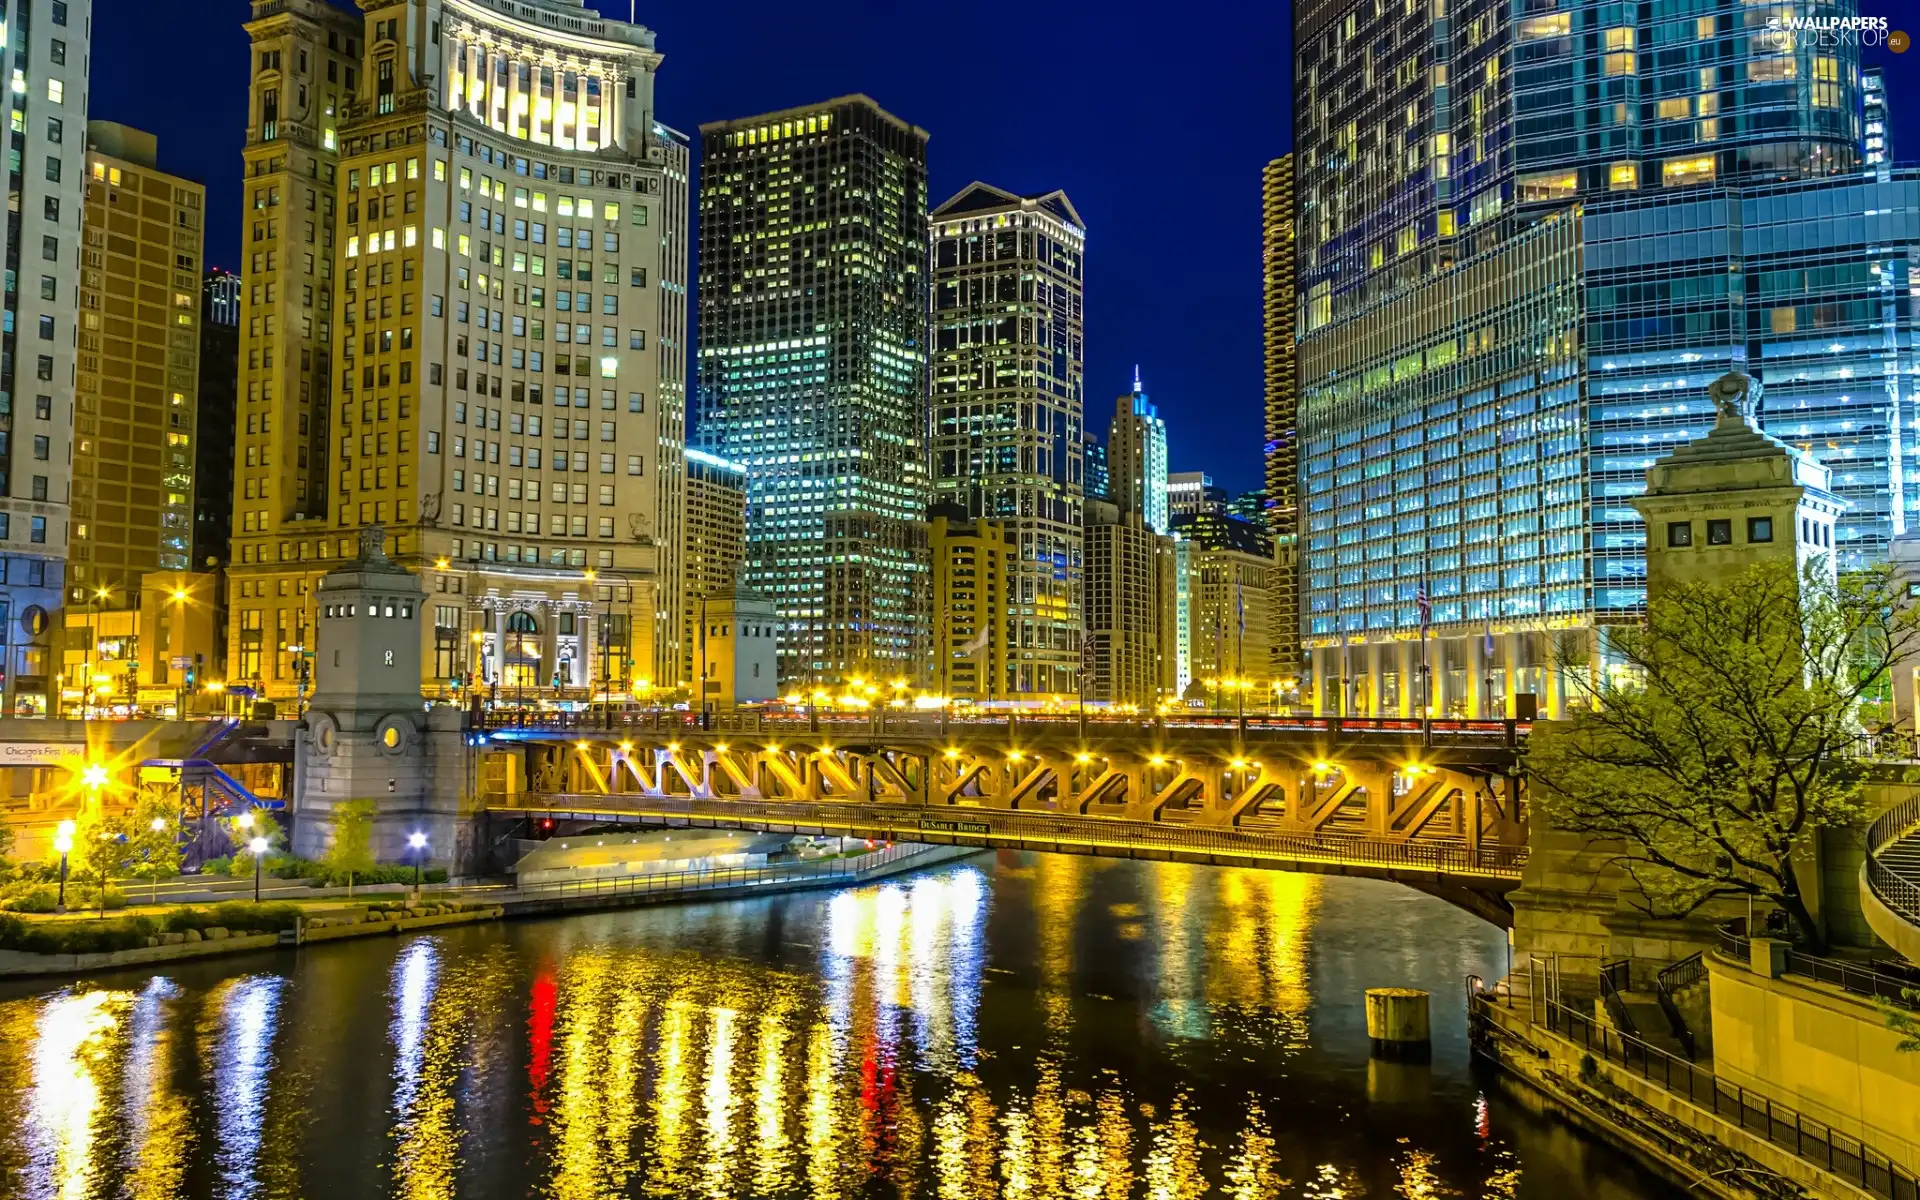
(812, 373)
(1130, 609)
(1193, 492)
(1282, 448)
(716, 540)
(974, 562)
(1876, 131)
(1137, 458)
(464, 322)
(1230, 612)
(1249, 506)
(219, 401)
(1439, 270)
(45, 55)
(1093, 457)
(139, 380)
(1009, 405)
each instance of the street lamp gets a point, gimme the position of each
(63, 842)
(259, 847)
(418, 843)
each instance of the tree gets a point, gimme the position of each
(352, 849)
(1904, 1022)
(154, 844)
(100, 848)
(1728, 736)
(6, 852)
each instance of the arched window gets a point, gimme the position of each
(522, 622)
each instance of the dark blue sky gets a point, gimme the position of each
(1156, 119)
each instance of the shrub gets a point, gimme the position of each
(90, 898)
(12, 929)
(217, 866)
(33, 898)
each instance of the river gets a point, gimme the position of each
(1011, 1026)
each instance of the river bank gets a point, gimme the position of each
(466, 906)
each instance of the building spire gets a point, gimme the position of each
(1136, 379)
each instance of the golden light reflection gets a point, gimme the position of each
(70, 1058)
(671, 1072)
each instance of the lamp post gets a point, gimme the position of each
(259, 847)
(63, 842)
(418, 843)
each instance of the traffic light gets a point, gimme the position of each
(454, 683)
(193, 672)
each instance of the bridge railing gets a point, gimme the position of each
(881, 721)
(946, 822)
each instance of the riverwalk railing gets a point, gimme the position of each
(1671, 979)
(1808, 1139)
(846, 870)
(1848, 976)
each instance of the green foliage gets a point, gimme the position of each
(29, 897)
(351, 853)
(1905, 1022)
(1728, 736)
(241, 834)
(7, 865)
(153, 845)
(322, 873)
(217, 866)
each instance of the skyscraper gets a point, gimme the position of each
(1009, 406)
(1093, 455)
(716, 508)
(45, 55)
(973, 562)
(1137, 458)
(812, 373)
(138, 390)
(464, 321)
(213, 451)
(1230, 616)
(1447, 460)
(1131, 617)
(1191, 492)
(1282, 448)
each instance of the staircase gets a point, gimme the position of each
(1890, 878)
(1658, 1017)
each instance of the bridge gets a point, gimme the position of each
(1436, 805)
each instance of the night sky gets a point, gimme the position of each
(1156, 119)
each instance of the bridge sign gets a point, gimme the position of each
(932, 825)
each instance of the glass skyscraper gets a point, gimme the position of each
(812, 373)
(1807, 287)
(1009, 409)
(1458, 302)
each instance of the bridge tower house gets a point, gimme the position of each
(1713, 508)
(367, 734)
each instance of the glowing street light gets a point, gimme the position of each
(417, 842)
(95, 777)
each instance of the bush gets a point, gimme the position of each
(323, 876)
(239, 917)
(217, 866)
(78, 937)
(90, 898)
(31, 898)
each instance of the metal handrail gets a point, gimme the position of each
(1669, 980)
(1851, 977)
(1810, 1140)
(904, 821)
(1897, 892)
(1462, 732)
(1615, 978)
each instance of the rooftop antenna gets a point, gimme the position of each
(1136, 379)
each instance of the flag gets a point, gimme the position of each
(1426, 610)
(1488, 644)
(977, 644)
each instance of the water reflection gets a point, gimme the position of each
(1023, 1029)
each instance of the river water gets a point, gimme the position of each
(1011, 1026)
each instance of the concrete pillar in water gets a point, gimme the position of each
(1397, 1021)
